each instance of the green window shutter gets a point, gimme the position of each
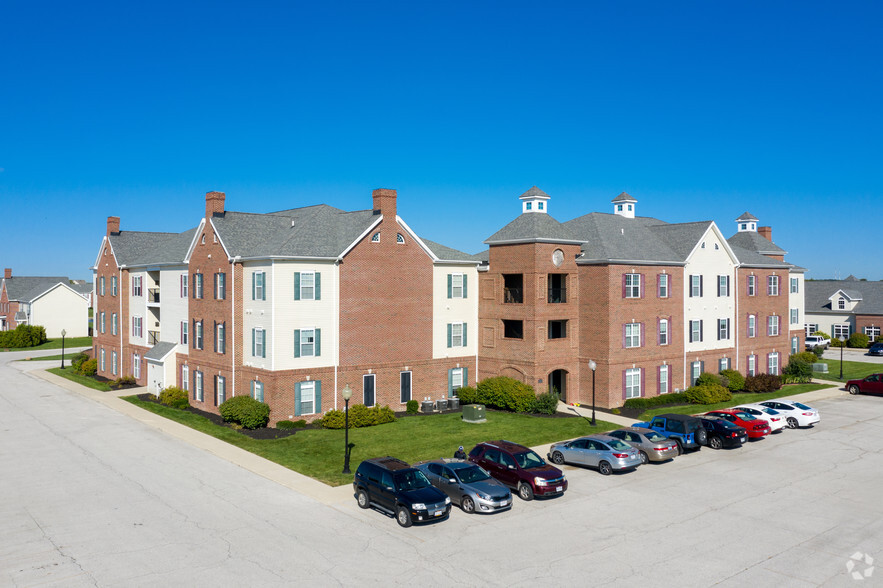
(297, 285)
(264, 282)
(464, 285)
(297, 399)
(252, 388)
(252, 343)
(297, 342)
(465, 376)
(264, 339)
(450, 287)
(317, 405)
(450, 383)
(253, 286)
(317, 287)
(450, 336)
(318, 343)
(464, 338)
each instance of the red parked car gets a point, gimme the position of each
(756, 428)
(872, 384)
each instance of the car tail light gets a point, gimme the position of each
(732, 434)
(620, 455)
(807, 414)
(775, 419)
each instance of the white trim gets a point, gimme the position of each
(194, 240)
(218, 237)
(358, 239)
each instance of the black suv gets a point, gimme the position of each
(396, 488)
(723, 433)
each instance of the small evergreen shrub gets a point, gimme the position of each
(78, 360)
(708, 394)
(467, 395)
(763, 383)
(507, 394)
(837, 343)
(654, 401)
(797, 371)
(858, 340)
(245, 411)
(174, 397)
(735, 381)
(123, 381)
(89, 367)
(706, 378)
(285, 425)
(805, 356)
(818, 351)
(546, 403)
(412, 406)
(823, 334)
(360, 416)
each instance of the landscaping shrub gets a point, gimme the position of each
(507, 394)
(78, 360)
(807, 356)
(837, 343)
(763, 383)
(858, 340)
(467, 395)
(360, 416)
(818, 351)
(123, 381)
(412, 406)
(653, 401)
(823, 334)
(797, 371)
(284, 425)
(708, 394)
(23, 336)
(735, 381)
(245, 411)
(546, 403)
(89, 367)
(706, 378)
(174, 397)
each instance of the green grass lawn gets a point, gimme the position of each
(318, 453)
(852, 370)
(56, 344)
(67, 356)
(68, 372)
(746, 398)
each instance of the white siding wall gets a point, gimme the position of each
(710, 262)
(454, 310)
(257, 314)
(826, 322)
(291, 314)
(796, 300)
(137, 307)
(62, 309)
(174, 308)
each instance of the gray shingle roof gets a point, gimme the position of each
(611, 237)
(755, 242)
(534, 192)
(134, 248)
(852, 293)
(160, 350)
(531, 227)
(817, 293)
(26, 288)
(82, 288)
(747, 216)
(624, 197)
(448, 254)
(750, 258)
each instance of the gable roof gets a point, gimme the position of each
(137, 248)
(448, 254)
(748, 258)
(615, 238)
(868, 296)
(755, 242)
(26, 288)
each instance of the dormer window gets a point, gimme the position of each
(841, 304)
(400, 239)
(744, 226)
(529, 205)
(619, 207)
(539, 205)
(375, 238)
(630, 207)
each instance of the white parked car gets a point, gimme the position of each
(796, 413)
(776, 419)
(817, 341)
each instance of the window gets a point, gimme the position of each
(539, 205)
(197, 386)
(873, 333)
(101, 360)
(743, 226)
(184, 332)
(197, 335)
(773, 364)
(136, 285)
(197, 286)
(220, 286)
(456, 286)
(631, 285)
(307, 286)
(113, 362)
(557, 329)
(663, 379)
(632, 383)
(307, 342)
(456, 334)
(307, 398)
(101, 285)
(113, 323)
(185, 378)
(220, 390)
(772, 285)
(696, 369)
(137, 323)
(220, 337)
(841, 304)
(795, 286)
(368, 382)
(663, 331)
(513, 329)
(529, 206)
(772, 325)
(839, 331)
(632, 335)
(752, 365)
(513, 288)
(101, 322)
(695, 331)
(400, 239)
(723, 329)
(752, 325)
(257, 390)
(113, 285)
(456, 380)
(723, 286)
(183, 285)
(557, 284)
(723, 364)
(375, 238)
(795, 343)
(794, 316)
(695, 286)
(752, 285)
(404, 387)
(810, 328)
(258, 348)
(662, 288)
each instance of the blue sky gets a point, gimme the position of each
(700, 110)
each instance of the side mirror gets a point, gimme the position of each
(390, 488)
(511, 467)
(452, 480)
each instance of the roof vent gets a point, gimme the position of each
(292, 223)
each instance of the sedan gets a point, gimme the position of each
(796, 413)
(876, 349)
(722, 433)
(467, 484)
(651, 445)
(607, 454)
(755, 428)
(772, 416)
(872, 384)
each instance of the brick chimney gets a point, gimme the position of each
(113, 224)
(766, 232)
(214, 203)
(385, 202)
(7, 273)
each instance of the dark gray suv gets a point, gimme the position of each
(394, 487)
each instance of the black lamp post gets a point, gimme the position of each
(347, 394)
(842, 345)
(63, 333)
(593, 366)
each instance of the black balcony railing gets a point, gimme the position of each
(153, 295)
(557, 295)
(513, 295)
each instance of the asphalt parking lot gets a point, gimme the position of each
(91, 497)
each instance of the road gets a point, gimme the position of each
(92, 497)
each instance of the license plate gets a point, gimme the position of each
(559, 488)
(742, 439)
(438, 513)
(504, 502)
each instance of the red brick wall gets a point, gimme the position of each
(110, 304)
(868, 320)
(762, 306)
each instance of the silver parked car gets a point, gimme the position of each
(606, 453)
(651, 445)
(467, 484)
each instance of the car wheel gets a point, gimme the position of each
(854, 389)
(468, 505)
(792, 423)
(680, 447)
(701, 437)
(558, 458)
(403, 516)
(362, 499)
(644, 459)
(715, 442)
(525, 491)
(605, 468)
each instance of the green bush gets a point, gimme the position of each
(798, 367)
(708, 394)
(78, 360)
(123, 381)
(284, 425)
(89, 367)
(467, 395)
(858, 340)
(360, 416)
(818, 351)
(412, 406)
(23, 336)
(806, 356)
(654, 401)
(837, 343)
(735, 381)
(706, 378)
(763, 383)
(507, 394)
(245, 411)
(174, 397)
(546, 403)
(823, 334)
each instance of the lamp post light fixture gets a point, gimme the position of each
(842, 340)
(593, 366)
(63, 333)
(347, 394)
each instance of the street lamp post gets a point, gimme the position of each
(593, 366)
(63, 333)
(842, 340)
(347, 394)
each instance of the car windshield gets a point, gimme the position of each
(471, 474)
(617, 444)
(801, 406)
(654, 437)
(727, 424)
(745, 416)
(529, 459)
(411, 480)
(771, 411)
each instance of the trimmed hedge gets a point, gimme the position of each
(805, 356)
(284, 425)
(545, 403)
(245, 411)
(23, 336)
(507, 394)
(763, 383)
(734, 380)
(412, 406)
(89, 367)
(467, 395)
(654, 401)
(360, 416)
(708, 394)
(858, 340)
(174, 397)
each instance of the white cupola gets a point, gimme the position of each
(624, 205)
(747, 223)
(534, 200)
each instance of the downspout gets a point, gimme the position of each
(120, 324)
(736, 318)
(233, 321)
(336, 327)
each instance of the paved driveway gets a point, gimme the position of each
(89, 496)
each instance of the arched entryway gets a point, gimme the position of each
(558, 383)
(513, 372)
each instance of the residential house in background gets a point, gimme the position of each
(843, 307)
(55, 303)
